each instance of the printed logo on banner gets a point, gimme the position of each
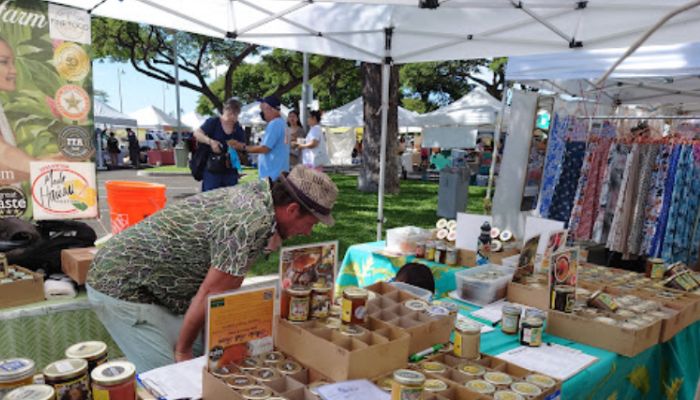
(13, 202)
(73, 102)
(71, 61)
(63, 190)
(75, 142)
(67, 23)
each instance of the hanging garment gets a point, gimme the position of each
(609, 191)
(655, 196)
(556, 148)
(649, 154)
(695, 241)
(619, 230)
(657, 242)
(565, 191)
(682, 216)
(588, 194)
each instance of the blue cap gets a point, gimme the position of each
(272, 101)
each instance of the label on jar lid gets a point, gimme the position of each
(15, 365)
(416, 305)
(31, 392)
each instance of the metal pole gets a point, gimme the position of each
(386, 75)
(177, 89)
(303, 113)
(119, 79)
(618, 117)
(497, 139)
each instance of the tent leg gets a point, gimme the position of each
(386, 75)
(497, 139)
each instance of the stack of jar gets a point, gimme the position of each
(301, 303)
(438, 251)
(529, 328)
(84, 374)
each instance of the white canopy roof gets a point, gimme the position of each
(193, 120)
(653, 75)
(107, 115)
(475, 108)
(351, 115)
(457, 29)
(250, 114)
(152, 117)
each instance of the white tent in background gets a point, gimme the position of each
(250, 114)
(403, 31)
(473, 109)
(351, 115)
(193, 120)
(106, 115)
(152, 117)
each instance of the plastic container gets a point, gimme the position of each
(130, 202)
(404, 239)
(421, 293)
(483, 284)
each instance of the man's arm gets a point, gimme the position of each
(215, 282)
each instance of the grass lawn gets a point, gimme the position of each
(355, 214)
(169, 169)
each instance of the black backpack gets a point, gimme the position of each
(43, 252)
(198, 162)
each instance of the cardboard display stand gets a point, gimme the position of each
(76, 262)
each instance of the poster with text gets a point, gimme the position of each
(555, 242)
(526, 261)
(563, 270)
(238, 324)
(63, 190)
(45, 95)
(308, 265)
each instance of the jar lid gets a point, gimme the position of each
(480, 386)
(31, 392)
(288, 367)
(408, 377)
(507, 395)
(313, 387)
(533, 321)
(13, 369)
(512, 309)
(239, 382)
(256, 393)
(433, 367)
(299, 291)
(352, 330)
(540, 380)
(87, 350)
(526, 389)
(321, 287)
(467, 327)
(68, 368)
(251, 362)
(471, 369)
(266, 374)
(113, 373)
(435, 385)
(355, 293)
(273, 357)
(437, 311)
(333, 323)
(565, 289)
(498, 378)
(416, 305)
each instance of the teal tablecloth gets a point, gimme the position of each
(666, 371)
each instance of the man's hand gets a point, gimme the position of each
(181, 356)
(236, 144)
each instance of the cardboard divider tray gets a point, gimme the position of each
(23, 291)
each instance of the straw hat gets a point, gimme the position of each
(314, 190)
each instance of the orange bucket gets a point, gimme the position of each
(130, 202)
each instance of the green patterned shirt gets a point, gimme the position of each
(164, 259)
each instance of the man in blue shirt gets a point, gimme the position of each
(273, 152)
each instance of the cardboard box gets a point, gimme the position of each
(537, 297)
(597, 334)
(343, 358)
(76, 262)
(22, 292)
(467, 258)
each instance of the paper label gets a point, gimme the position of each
(347, 310)
(77, 389)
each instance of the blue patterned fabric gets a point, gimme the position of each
(658, 240)
(556, 147)
(565, 191)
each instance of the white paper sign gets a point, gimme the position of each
(553, 360)
(469, 229)
(352, 390)
(71, 24)
(63, 190)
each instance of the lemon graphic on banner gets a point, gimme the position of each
(83, 195)
(71, 61)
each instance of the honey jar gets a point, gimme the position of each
(299, 303)
(511, 319)
(69, 378)
(354, 306)
(114, 381)
(94, 352)
(320, 301)
(256, 393)
(531, 332)
(15, 372)
(407, 384)
(467, 341)
(31, 392)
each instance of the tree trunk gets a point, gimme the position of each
(368, 181)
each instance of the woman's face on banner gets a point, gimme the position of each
(8, 73)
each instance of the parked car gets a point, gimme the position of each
(157, 140)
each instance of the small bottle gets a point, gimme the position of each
(484, 245)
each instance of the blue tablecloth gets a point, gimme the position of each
(665, 371)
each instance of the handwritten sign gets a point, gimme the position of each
(63, 190)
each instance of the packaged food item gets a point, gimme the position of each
(266, 374)
(272, 358)
(15, 372)
(451, 256)
(540, 380)
(531, 332)
(288, 367)
(433, 367)
(471, 370)
(655, 268)
(526, 389)
(467, 340)
(430, 250)
(435, 386)
(256, 393)
(507, 395)
(603, 301)
(416, 305)
(114, 380)
(440, 253)
(407, 384)
(31, 392)
(420, 249)
(94, 352)
(299, 303)
(564, 298)
(480, 386)
(69, 378)
(510, 319)
(239, 382)
(352, 330)
(498, 378)
(354, 306)
(320, 300)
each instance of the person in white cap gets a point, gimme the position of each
(149, 284)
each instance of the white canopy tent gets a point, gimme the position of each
(475, 108)
(399, 31)
(106, 115)
(193, 120)
(352, 115)
(250, 114)
(152, 117)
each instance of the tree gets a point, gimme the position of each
(101, 95)
(368, 181)
(435, 84)
(149, 49)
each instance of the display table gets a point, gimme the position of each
(42, 331)
(665, 371)
(161, 157)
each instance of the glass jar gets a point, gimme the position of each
(239, 382)
(256, 393)
(435, 386)
(655, 268)
(430, 250)
(407, 384)
(68, 377)
(15, 372)
(272, 358)
(354, 306)
(114, 381)
(603, 301)
(564, 298)
(420, 249)
(94, 352)
(440, 252)
(320, 301)
(288, 367)
(451, 256)
(467, 341)
(31, 392)
(480, 386)
(266, 375)
(511, 319)
(299, 302)
(531, 332)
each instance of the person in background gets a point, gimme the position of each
(314, 153)
(216, 132)
(134, 148)
(113, 150)
(293, 131)
(149, 284)
(273, 153)
(418, 275)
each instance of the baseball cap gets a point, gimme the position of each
(272, 101)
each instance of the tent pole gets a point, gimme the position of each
(497, 139)
(386, 75)
(304, 113)
(177, 88)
